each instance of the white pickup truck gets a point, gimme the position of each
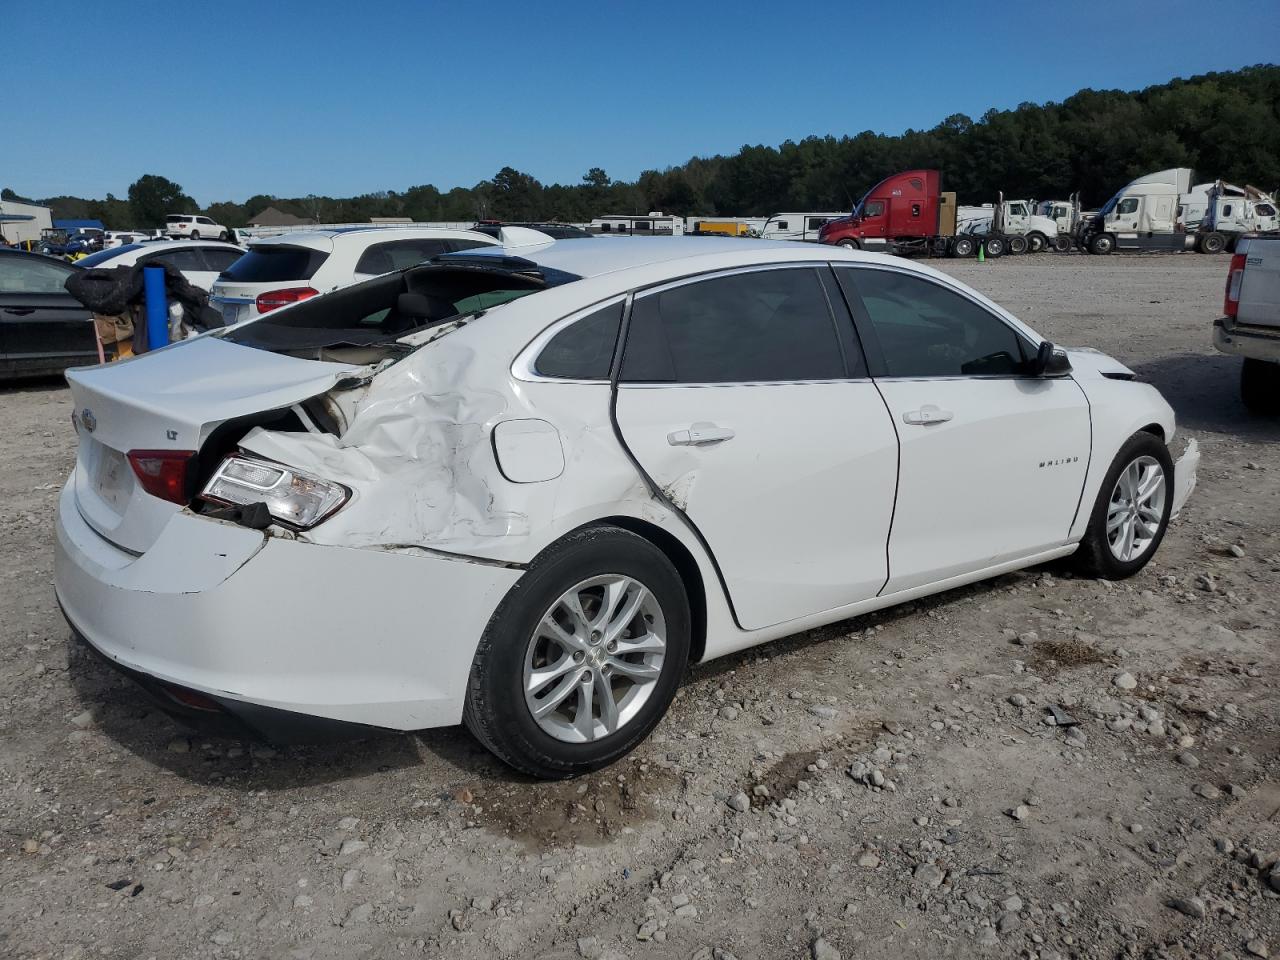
(1250, 327)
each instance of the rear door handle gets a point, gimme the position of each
(927, 414)
(698, 435)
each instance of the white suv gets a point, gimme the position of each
(296, 266)
(192, 226)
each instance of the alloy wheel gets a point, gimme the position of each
(1136, 509)
(595, 658)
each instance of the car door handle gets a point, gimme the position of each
(20, 311)
(698, 435)
(927, 414)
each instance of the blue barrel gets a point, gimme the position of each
(157, 307)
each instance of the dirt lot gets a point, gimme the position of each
(989, 831)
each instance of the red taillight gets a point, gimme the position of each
(1235, 277)
(282, 298)
(163, 473)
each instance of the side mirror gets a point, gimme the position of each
(1050, 361)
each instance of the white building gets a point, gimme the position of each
(20, 222)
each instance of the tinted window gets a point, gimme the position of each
(1226, 209)
(642, 225)
(275, 263)
(398, 254)
(103, 258)
(174, 219)
(220, 259)
(32, 275)
(782, 225)
(583, 350)
(765, 325)
(926, 330)
(457, 245)
(183, 260)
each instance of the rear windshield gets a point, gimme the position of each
(378, 312)
(177, 219)
(274, 263)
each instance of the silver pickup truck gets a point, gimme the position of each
(1250, 327)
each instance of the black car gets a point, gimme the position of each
(43, 329)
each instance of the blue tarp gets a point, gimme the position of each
(71, 226)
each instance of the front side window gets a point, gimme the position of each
(1265, 210)
(1226, 209)
(584, 349)
(23, 275)
(760, 326)
(927, 330)
(874, 208)
(1128, 205)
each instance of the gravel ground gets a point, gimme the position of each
(885, 788)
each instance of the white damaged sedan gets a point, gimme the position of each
(522, 487)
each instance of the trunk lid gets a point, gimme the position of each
(171, 400)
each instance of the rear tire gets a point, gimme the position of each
(578, 657)
(1102, 244)
(1260, 386)
(223, 236)
(995, 246)
(1062, 244)
(1119, 514)
(962, 247)
(1018, 246)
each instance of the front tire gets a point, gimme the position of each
(223, 236)
(1062, 243)
(1212, 243)
(849, 244)
(582, 657)
(1102, 244)
(1036, 241)
(195, 234)
(1260, 386)
(1018, 246)
(1131, 513)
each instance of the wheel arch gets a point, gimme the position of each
(686, 566)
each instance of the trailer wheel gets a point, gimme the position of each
(995, 246)
(1018, 245)
(1062, 243)
(962, 247)
(1260, 386)
(1102, 243)
(1036, 241)
(849, 244)
(1212, 243)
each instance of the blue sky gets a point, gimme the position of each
(233, 98)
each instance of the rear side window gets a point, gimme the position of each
(187, 261)
(926, 330)
(275, 263)
(760, 326)
(398, 254)
(220, 259)
(584, 349)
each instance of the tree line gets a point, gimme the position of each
(1223, 125)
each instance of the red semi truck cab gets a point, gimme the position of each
(905, 213)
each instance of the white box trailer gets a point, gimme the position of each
(24, 223)
(655, 224)
(797, 226)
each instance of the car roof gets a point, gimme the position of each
(11, 252)
(324, 239)
(600, 255)
(131, 250)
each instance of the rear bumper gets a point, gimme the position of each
(364, 636)
(1258, 343)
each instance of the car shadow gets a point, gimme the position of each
(1204, 391)
(32, 384)
(125, 713)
